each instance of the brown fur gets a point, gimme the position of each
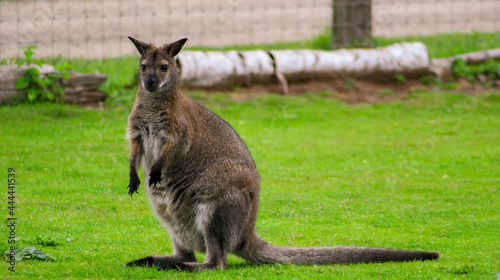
(202, 181)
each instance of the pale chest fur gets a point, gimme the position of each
(152, 133)
(153, 139)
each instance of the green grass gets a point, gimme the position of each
(418, 174)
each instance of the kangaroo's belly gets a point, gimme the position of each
(181, 218)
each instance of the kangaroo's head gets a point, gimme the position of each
(158, 71)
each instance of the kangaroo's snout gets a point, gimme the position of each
(151, 84)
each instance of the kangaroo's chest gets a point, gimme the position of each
(153, 139)
(153, 134)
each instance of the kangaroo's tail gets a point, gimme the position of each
(259, 251)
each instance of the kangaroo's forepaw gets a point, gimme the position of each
(155, 175)
(133, 186)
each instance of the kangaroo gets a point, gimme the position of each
(202, 181)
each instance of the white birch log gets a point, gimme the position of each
(211, 69)
(409, 59)
(259, 66)
(206, 69)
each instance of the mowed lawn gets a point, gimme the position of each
(422, 173)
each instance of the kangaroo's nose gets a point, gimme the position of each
(151, 82)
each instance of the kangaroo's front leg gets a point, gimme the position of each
(135, 161)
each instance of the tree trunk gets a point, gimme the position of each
(352, 23)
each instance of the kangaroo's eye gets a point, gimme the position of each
(143, 67)
(164, 67)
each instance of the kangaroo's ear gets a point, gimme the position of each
(141, 46)
(174, 48)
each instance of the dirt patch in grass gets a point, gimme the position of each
(352, 91)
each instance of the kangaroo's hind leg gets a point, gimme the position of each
(222, 230)
(180, 255)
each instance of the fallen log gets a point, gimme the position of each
(380, 64)
(204, 69)
(83, 89)
(89, 97)
(213, 69)
(77, 79)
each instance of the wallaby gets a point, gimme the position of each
(203, 182)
